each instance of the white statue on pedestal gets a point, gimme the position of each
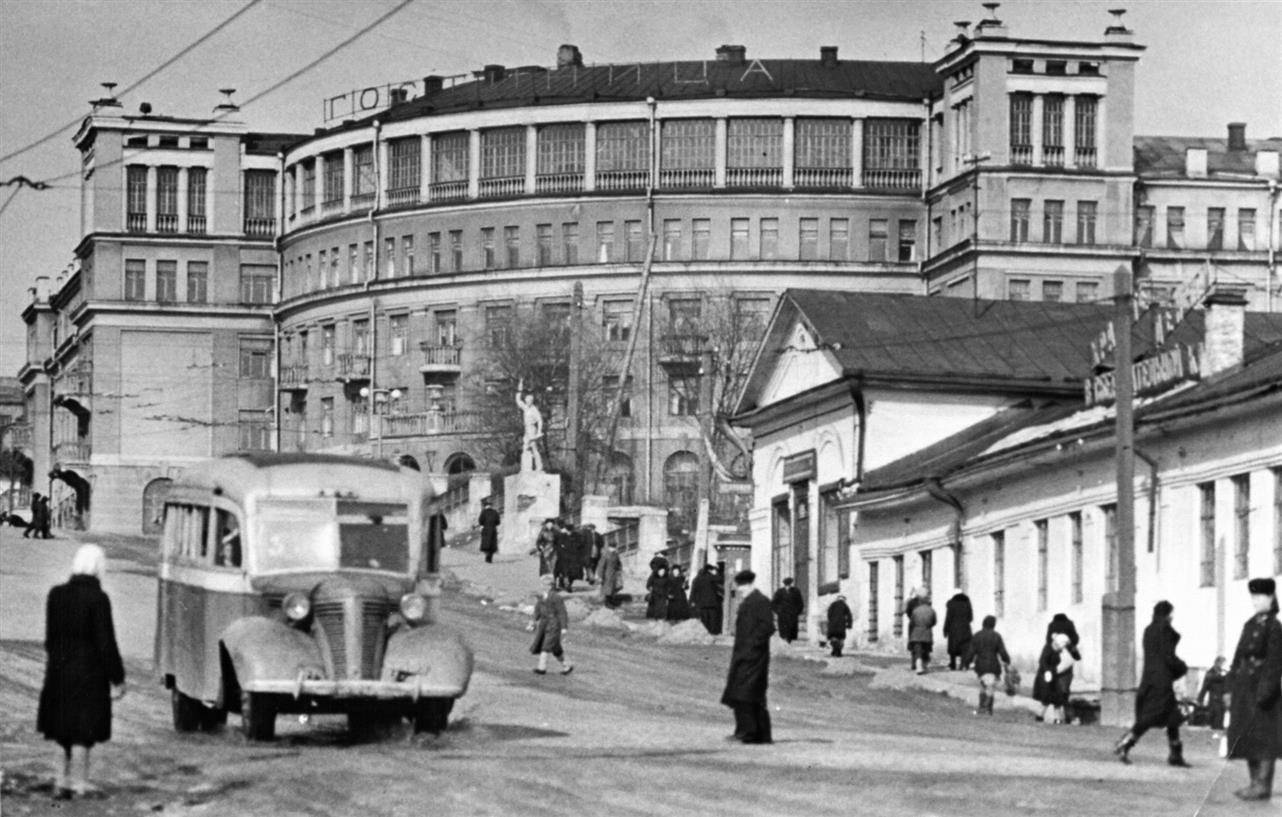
(531, 459)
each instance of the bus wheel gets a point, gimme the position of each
(432, 715)
(187, 711)
(257, 716)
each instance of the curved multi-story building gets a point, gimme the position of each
(414, 238)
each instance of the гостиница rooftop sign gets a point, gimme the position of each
(1167, 365)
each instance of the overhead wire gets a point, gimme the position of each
(175, 58)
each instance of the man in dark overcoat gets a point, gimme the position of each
(788, 606)
(1155, 701)
(569, 563)
(840, 620)
(748, 677)
(705, 599)
(489, 524)
(1255, 681)
(958, 615)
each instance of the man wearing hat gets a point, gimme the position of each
(489, 525)
(750, 663)
(840, 619)
(1255, 681)
(1155, 702)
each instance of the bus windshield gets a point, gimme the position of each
(374, 536)
(296, 536)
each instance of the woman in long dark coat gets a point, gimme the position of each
(678, 603)
(1054, 677)
(958, 615)
(1255, 714)
(657, 595)
(489, 523)
(84, 670)
(1155, 701)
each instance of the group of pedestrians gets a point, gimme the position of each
(666, 591)
(41, 518)
(568, 554)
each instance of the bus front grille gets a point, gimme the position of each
(355, 640)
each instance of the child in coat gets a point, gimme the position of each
(550, 623)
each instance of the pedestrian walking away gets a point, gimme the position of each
(489, 524)
(1155, 701)
(84, 672)
(1211, 694)
(705, 599)
(789, 606)
(748, 677)
(958, 616)
(840, 620)
(914, 598)
(1255, 692)
(921, 633)
(549, 625)
(986, 652)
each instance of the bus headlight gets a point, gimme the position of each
(413, 607)
(296, 606)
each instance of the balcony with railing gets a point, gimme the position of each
(440, 361)
(353, 366)
(558, 182)
(822, 177)
(136, 222)
(260, 227)
(1021, 154)
(1084, 157)
(448, 191)
(293, 377)
(167, 223)
(331, 207)
(754, 176)
(1053, 155)
(427, 423)
(622, 179)
(687, 177)
(72, 452)
(403, 197)
(502, 186)
(681, 353)
(892, 179)
(196, 225)
(73, 388)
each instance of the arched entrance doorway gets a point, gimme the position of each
(153, 504)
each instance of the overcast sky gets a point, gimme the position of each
(1208, 63)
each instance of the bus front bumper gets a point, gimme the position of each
(351, 689)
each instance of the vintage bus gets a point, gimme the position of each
(295, 583)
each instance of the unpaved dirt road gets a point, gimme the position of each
(635, 730)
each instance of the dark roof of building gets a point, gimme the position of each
(951, 453)
(946, 338)
(1165, 155)
(1261, 374)
(692, 79)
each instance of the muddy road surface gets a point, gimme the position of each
(635, 730)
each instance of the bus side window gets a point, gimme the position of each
(229, 545)
(171, 540)
(202, 531)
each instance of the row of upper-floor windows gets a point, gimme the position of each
(1054, 213)
(153, 196)
(824, 153)
(1217, 228)
(1044, 139)
(162, 282)
(882, 240)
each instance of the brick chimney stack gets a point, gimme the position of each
(1225, 330)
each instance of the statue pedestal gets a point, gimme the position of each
(529, 497)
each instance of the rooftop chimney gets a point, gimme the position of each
(990, 26)
(398, 95)
(1237, 136)
(963, 31)
(494, 72)
(1195, 163)
(108, 101)
(432, 83)
(568, 56)
(1225, 326)
(733, 54)
(1117, 32)
(828, 56)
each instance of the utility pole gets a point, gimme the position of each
(1117, 687)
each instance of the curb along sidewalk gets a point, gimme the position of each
(510, 582)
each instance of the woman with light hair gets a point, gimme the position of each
(84, 671)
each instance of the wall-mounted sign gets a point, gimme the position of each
(1150, 375)
(799, 467)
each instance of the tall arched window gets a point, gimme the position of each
(681, 493)
(459, 463)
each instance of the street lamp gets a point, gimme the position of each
(381, 398)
